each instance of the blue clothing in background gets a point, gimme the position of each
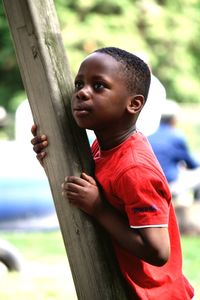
(170, 148)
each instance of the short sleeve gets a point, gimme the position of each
(145, 195)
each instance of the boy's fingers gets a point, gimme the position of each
(88, 178)
(35, 140)
(40, 146)
(40, 157)
(75, 180)
(34, 129)
(40, 139)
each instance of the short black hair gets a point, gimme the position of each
(136, 71)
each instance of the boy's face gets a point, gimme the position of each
(100, 97)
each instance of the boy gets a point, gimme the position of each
(110, 90)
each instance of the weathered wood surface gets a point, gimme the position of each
(46, 76)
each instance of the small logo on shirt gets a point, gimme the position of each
(150, 209)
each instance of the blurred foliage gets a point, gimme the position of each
(166, 31)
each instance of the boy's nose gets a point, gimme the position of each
(83, 94)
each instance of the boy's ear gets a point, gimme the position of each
(135, 104)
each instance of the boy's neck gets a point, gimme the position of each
(108, 141)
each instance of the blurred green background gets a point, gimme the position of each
(165, 31)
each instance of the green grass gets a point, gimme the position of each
(191, 261)
(46, 274)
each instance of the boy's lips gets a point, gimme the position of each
(81, 110)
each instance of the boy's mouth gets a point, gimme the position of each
(81, 111)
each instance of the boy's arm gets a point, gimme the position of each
(149, 244)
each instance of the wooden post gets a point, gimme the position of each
(48, 83)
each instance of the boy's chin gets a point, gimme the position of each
(83, 125)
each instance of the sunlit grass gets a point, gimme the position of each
(46, 274)
(191, 261)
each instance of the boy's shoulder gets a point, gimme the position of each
(136, 150)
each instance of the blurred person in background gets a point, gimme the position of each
(170, 146)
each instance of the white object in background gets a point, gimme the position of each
(3, 114)
(23, 123)
(149, 118)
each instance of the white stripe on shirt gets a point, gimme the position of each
(146, 226)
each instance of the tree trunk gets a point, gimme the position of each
(48, 83)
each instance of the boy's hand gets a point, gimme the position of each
(83, 193)
(39, 144)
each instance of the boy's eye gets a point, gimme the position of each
(78, 85)
(98, 85)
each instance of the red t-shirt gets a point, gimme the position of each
(133, 182)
